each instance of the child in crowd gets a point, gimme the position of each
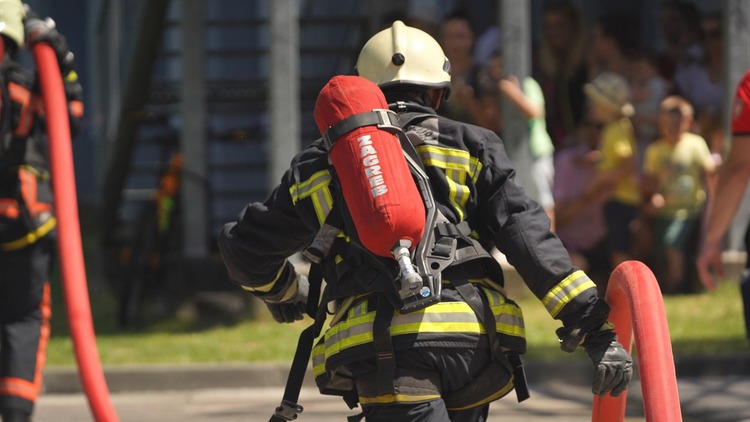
(675, 184)
(616, 178)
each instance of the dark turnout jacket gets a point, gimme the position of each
(472, 180)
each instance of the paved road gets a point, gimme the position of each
(705, 399)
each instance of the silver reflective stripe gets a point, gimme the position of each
(566, 291)
(304, 189)
(445, 158)
(443, 318)
(457, 165)
(315, 187)
(319, 359)
(322, 202)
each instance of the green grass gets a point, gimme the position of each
(177, 342)
(705, 323)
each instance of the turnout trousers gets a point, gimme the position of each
(24, 322)
(451, 369)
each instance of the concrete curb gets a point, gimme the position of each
(65, 380)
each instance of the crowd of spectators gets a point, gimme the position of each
(624, 141)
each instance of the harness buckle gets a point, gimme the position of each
(388, 120)
(287, 410)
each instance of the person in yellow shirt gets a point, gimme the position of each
(609, 96)
(676, 169)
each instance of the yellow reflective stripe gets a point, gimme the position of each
(510, 322)
(457, 164)
(397, 398)
(359, 310)
(322, 202)
(439, 327)
(443, 318)
(450, 158)
(495, 298)
(566, 290)
(315, 187)
(319, 359)
(31, 237)
(502, 392)
(445, 158)
(458, 191)
(475, 167)
(306, 188)
(462, 189)
(349, 333)
(508, 317)
(268, 286)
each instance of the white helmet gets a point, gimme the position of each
(404, 55)
(12, 13)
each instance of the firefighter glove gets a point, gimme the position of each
(290, 306)
(612, 363)
(39, 29)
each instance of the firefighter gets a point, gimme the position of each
(27, 221)
(448, 361)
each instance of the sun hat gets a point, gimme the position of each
(613, 90)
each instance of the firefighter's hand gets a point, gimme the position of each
(44, 30)
(291, 306)
(612, 363)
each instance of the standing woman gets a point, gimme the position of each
(560, 68)
(457, 39)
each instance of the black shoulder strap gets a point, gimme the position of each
(404, 120)
(289, 409)
(410, 117)
(382, 118)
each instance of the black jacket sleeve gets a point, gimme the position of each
(255, 246)
(520, 229)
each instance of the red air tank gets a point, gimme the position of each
(380, 193)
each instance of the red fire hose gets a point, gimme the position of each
(637, 307)
(69, 235)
